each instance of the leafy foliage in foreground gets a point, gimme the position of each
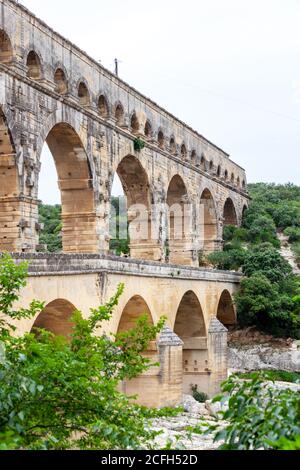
(259, 415)
(57, 394)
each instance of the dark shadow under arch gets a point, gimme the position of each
(190, 327)
(83, 94)
(189, 317)
(229, 213)
(34, 67)
(6, 52)
(61, 82)
(133, 310)
(56, 318)
(134, 124)
(119, 115)
(103, 107)
(226, 312)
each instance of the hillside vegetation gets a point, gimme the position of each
(269, 297)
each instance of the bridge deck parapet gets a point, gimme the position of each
(41, 264)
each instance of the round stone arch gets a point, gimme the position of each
(137, 120)
(89, 95)
(172, 144)
(226, 311)
(33, 49)
(57, 67)
(189, 319)
(133, 289)
(135, 180)
(119, 114)
(103, 105)
(179, 175)
(6, 48)
(230, 212)
(244, 209)
(135, 307)
(75, 180)
(161, 138)
(208, 223)
(179, 226)
(146, 386)
(63, 116)
(191, 328)
(136, 185)
(70, 119)
(56, 317)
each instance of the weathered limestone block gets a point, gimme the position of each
(218, 355)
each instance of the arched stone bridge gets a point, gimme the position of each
(196, 301)
(97, 126)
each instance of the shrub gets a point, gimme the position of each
(139, 144)
(260, 302)
(296, 250)
(230, 259)
(233, 233)
(262, 230)
(293, 233)
(56, 394)
(200, 397)
(259, 415)
(275, 375)
(267, 260)
(285, 214)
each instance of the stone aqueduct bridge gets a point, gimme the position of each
(52, 92)
(196, 301)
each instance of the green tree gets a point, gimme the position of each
(59, 394)
(285, 214)
(50, 218)
(293, 233)
(262, 230)
(267, 260)
(260, 302)
(229, 259)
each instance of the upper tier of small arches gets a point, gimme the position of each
(139, 125)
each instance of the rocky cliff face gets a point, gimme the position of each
(264, 357)
(250, 350)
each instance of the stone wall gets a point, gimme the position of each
(264, 357)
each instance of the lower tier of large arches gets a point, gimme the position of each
(195, 310)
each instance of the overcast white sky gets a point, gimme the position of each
(229, 68)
